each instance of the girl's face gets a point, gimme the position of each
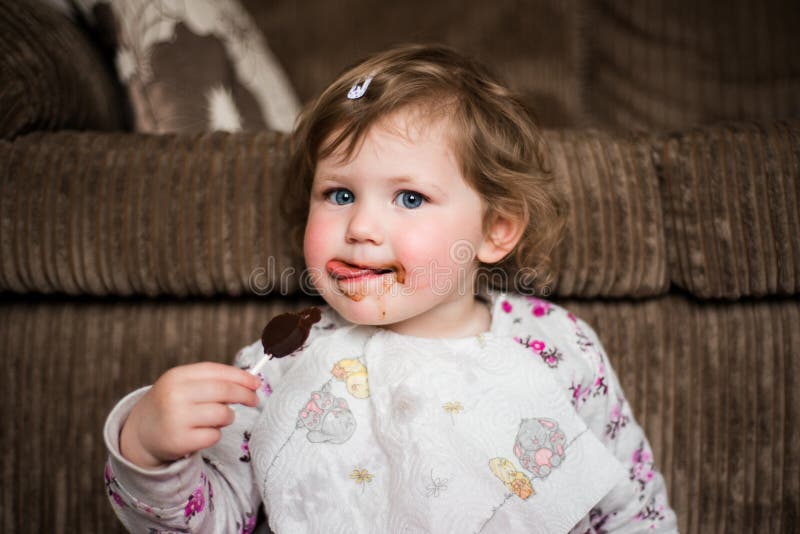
(394, 234)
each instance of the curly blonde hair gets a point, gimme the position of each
(501, 151)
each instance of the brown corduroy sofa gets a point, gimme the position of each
(123, 254)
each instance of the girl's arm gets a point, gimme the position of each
(210, 490)
(641, 503)
(205, 492)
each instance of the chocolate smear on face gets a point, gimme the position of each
(285, 333)
(400, 275)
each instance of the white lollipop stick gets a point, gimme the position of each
(257, 367)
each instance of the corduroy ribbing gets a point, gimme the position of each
(731, 196)
(127, 214)
(673, 64)
(715, 385)
(614, 245)
(67, 363)
(42, 51)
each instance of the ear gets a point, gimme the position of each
(503, 235)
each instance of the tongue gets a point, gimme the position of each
(340, 269)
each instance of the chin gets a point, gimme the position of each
(368, 310)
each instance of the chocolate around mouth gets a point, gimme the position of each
(396, 275)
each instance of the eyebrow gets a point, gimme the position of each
(399, 180)
(395, 180)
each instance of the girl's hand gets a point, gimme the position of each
(184, 411)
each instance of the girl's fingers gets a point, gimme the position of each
(202, 438)
(218, 391)
(210, 415)
(213, 371)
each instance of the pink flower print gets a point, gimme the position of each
(652, 512)
(618, 420)
(551, 357)
(571, 317)
(537, 345)
(266, 388)
(195, 504)
(249, 524)
(598, 520)
(117, 498)
(506, 306)
(245, 447)
(540, 308)
(642, 469)
(579, 394)
(583, 341)
(641, 456)
(111, 484)
(600, 386)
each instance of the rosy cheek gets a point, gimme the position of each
(316, 241)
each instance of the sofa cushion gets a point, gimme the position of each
(125, 214)
(51, 75)
(672, 64)
(732, 209)
(614, 244)
(194, 66)
(535, 45)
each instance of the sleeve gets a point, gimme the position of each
(211, 490)
(640, 503)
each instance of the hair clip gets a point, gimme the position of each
(359, 89)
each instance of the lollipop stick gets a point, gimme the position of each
(257, 367)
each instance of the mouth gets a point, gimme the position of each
(350, 272)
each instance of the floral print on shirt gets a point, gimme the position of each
(618, 419)
(245, 447)
(111, 486)
(549, 355)
(196, 503)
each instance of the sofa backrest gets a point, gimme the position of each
(713, 211)
(53, 77)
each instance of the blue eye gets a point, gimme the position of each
(340, 196)
(410, 199)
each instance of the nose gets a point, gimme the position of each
(364, 225)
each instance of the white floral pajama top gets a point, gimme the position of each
(521, 429)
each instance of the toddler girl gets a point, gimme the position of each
(421, 401)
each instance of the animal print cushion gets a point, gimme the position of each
(194, 66)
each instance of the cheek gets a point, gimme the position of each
(434, 248)
(315, 240)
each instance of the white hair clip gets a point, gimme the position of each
(359, 89)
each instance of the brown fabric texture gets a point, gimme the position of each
(714, 385)
(669, 64)
(126, 214)
(67, 363)
(535, 46)
(614, 244)
(41, 50)
(732, 205)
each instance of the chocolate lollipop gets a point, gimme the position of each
(287, 332)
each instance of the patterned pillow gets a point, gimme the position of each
(194, 66)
